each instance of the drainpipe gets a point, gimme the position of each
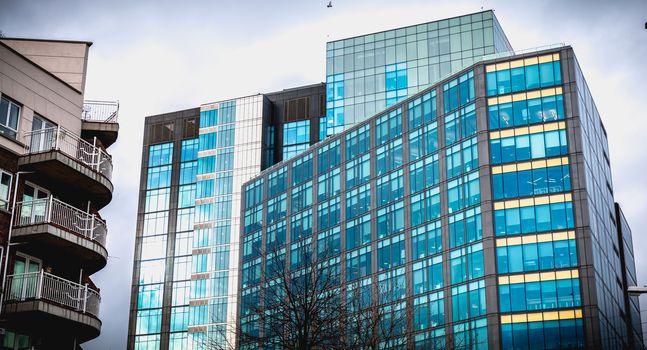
(6, 257)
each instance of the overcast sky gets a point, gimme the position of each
(161, 56)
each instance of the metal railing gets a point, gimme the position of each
(43, 285)
(100, 111)
(53, 211)
(63, 140)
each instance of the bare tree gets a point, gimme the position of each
(370, 320)
(300, 307)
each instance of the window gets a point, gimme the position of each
(556, 215)
(328, 156)
(391, 286)
(425, 206)
(458, 92)
(542, 291)
(462, 158)
(567, 332)
(531, 146)
(463, 192)
(429, 312)
(328, 243)
(390, 219)
(390, 188)
(424, 173)
(357, 142)
(390, 252)
(395, 82)
(527, 109)
(552, 251)
(523, 74)
(328, 184)
(358, 263)
(277, 182)
(301, 197)
(460, 125)
(276, 208)
(428, 275)
(358, 232)
(296, 138)
(465, 227)
(426, 240)
(328, 213)
(358, 201)
(302, 169)
(358, 171)
(423, 141)
(466, 263)
(301, 225)
(534, 181)
(422, 110)
(5, 189)
(468, 301)
(389, 157)
(388, 126)
(9, 115)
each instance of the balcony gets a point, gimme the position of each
(100, 121)
(60, 232)
(52, 305)
(61, 159)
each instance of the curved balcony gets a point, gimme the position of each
(61, 232)
(58, 158)
(53, 305)
(99, 119)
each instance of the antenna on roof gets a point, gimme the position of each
(329, 4)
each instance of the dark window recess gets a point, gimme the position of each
(162, 132)
(322, 106)
(190, 129)
(297, 109)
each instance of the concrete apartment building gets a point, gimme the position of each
(55, 177)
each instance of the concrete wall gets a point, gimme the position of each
(37, 91)
(66, 60)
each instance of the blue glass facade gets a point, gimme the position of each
(462, 199)
(369, 73)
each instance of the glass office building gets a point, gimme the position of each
(486, 199)
(159, 309)
(368, 73)
(194, 162)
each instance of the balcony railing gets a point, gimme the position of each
(53, 211)
(45, 286)
(100, 111)
(63, 140)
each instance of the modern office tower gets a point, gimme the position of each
(194, 162)
(54, 178)
(368, 73)
(159, 309)
(484, 202)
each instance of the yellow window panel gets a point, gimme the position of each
(575, 273)
(499, 206)
(529, 239)
(497, 169)
(512, 204)
(538, 164)
(516, 63)
(545, 58)
(505, 99)
(493, 101)
(514, 241)
(504, 280)
(547, 276)
(558, 90)
(555, 57)
(516, 279)
(519, 318)
(535, 317)
(557, 198)
(524, 130)
(490, 68)
(578, 313)
(560, 236)
(541, 200)
(503, 65)
(571, 234)
(533, 94)
(551, 316)
(532, 277)
(509, 168)
(530, 61)
(524, 166)
(501, 242)
(566, 314)
(546, 237)
(562, 275)
(506, 319)
(495, 134)
(526, 202)
(519, 97)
